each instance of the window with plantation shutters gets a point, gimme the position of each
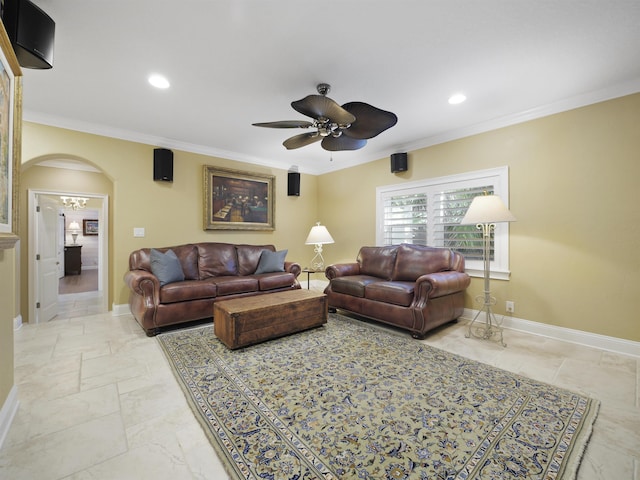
(449, 209)
(405, 218)
(429, 212)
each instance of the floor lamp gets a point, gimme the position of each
(485, 211)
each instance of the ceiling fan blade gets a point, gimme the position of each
(301, 140)
(285, 124)
(335, 144)
(370, 121)
(317, 106)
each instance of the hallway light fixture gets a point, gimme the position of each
(75, 203)
(318, 236)
(74, 228)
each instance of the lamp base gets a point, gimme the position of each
(317, 262)
(490, 329)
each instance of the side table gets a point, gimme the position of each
(309, 271)
(72, 259)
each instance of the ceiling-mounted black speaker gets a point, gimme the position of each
(163, 164)
(399, 162)
(31, 32)
(293, 184)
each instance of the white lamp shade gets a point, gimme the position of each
(487, 209)
(74, 226)
(319, 235)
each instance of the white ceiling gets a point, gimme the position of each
(235, 62)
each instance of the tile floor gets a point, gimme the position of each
(98, 401)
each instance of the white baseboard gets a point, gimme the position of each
(17, 323)
(7, 413)
(594, 340)
(122, 309)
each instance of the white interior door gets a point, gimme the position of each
(61, 242)
(47, 257)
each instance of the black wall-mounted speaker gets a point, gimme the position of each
(399, 162)
(31, 32)
(163, 164)
(293, 184)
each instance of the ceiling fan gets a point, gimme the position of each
(345, 127)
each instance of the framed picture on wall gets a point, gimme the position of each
(236, 200)
(10, 134)
(89, 227)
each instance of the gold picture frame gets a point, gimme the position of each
(10, 140)
(237, 200)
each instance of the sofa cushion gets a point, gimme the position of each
(353, 285)
(397, 293)
(270, 281)
(166, 266)
(235, 284)
(188, 256)
(271, 261)
(377, 261)
(188, 290)
(249, 256)
(216, 259)
(413, 261)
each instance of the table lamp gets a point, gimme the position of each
(318, 236)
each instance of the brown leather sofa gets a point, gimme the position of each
(414, 287)
(212, 271)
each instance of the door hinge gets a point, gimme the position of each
(37, 256)
(38, 305)
(38, 208)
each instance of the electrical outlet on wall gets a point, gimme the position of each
(510, 307)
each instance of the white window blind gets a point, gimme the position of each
(405, 218)
(449, 209)
(429, 212)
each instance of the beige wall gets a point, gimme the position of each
(7, 309)
(171, 213)
(574, 190)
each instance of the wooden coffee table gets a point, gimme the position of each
(245, 321)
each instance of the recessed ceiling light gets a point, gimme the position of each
(457, 98)
(159, 81)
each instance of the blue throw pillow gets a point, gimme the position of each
(166, 266)
(271, 261)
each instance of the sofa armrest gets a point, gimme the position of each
(342, 270)
(293, 267)
(145, 284)
(439, 284)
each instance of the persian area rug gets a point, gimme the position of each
(352, 401)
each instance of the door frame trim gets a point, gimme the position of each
(103, 248)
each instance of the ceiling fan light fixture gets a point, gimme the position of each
(340, 127)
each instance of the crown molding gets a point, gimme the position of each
(567, 104)
(563, 105)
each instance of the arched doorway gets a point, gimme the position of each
(45, 181)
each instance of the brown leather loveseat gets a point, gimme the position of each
(413, 287)
(207, 272)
